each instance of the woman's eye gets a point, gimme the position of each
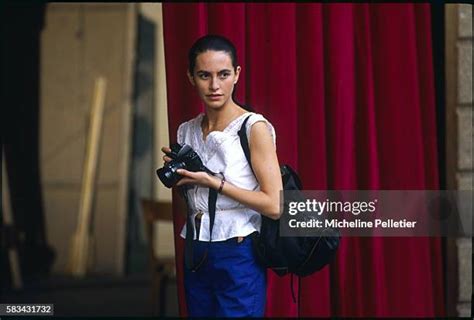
(224, 75)
(203, 76)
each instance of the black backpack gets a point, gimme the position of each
(301, 256)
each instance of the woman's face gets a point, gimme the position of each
(214, 78)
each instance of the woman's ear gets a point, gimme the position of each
(191, 78)
(237, 74)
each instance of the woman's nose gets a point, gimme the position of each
(214, 85)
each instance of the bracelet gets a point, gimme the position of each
(222, 185)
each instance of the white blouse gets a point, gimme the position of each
(221, 152)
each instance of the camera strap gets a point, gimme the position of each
(188, 249)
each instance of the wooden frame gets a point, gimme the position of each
(162, 268)
(451, 256)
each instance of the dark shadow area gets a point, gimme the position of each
(21, 26)
(94, 296)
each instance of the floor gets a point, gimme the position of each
(94, 296)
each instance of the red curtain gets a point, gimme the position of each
(350, 91)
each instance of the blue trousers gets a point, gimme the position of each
(230, 283)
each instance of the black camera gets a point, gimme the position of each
(183, 157)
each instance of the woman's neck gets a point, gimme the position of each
(217, 119)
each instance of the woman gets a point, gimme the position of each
(230, 282)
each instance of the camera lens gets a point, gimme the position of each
(168, 174)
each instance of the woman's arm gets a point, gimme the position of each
(267, 171)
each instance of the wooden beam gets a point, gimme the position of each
(82, 241)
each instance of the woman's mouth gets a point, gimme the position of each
(214, 96)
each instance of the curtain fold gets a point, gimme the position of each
(350, 91)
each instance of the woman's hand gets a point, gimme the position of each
(198, 178)
(166, 159)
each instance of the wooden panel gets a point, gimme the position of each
(79, 42)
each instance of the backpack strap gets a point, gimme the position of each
(244, 141)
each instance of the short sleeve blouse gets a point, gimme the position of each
(221, 152)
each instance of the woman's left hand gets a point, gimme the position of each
(198, 178)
